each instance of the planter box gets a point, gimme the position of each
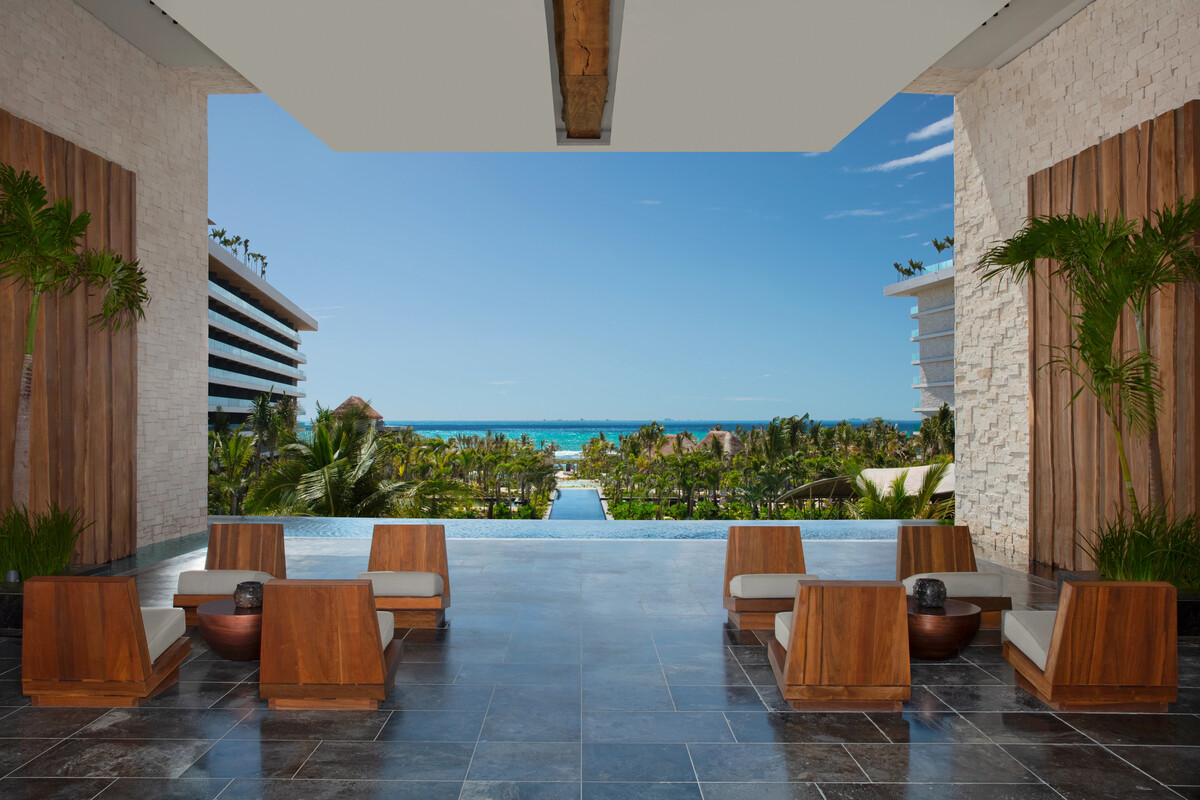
(1187, 605)
(12, 597)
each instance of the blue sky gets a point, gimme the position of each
(592, 284)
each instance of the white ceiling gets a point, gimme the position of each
(474, 75)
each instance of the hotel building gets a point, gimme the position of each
(253, 338)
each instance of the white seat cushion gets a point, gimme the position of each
(163, 626)
(218, 581)
(387, 627)
(767, 585)
(1030, 632)
(783, 628)
(404, 584)
(963, 584)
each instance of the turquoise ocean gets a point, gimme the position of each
(572, 435)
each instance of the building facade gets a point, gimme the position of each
(253, 339)
(933, 337)
(1111, 66)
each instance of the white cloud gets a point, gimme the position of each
(925, 212)
(916, 175)
(944, 125)
(908, 236)
(932, 154)
(501, 383)
(648, 202)
(856, 212)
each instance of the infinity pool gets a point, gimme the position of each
(345, 527)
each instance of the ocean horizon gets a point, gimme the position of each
(571, 435)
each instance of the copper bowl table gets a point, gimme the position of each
(936, 634)
(233, 632)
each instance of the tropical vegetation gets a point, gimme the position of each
(1110, 268)
(649, 475)
(342, 466)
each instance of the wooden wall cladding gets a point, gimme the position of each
(1075, 478)
(83, 442)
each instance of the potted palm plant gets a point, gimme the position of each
(42, 254)
(1112, 266)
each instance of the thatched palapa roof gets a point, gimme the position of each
(730, 444)
(353, 402)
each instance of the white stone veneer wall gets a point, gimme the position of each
(1115, 64)
(65, 71)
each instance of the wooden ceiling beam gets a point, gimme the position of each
(581, 32)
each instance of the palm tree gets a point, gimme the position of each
(337, 474)
(896, 503)
(41, 251)
(1110, 266)
(262, 422)
(230, 457)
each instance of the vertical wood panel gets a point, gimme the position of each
(83, 446)
(1075, 480)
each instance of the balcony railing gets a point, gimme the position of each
(255, 336)
(269, 363)
(217, 374)
(232, 300)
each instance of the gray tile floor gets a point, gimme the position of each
(594, 669)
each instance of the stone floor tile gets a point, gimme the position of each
(116, 758)
(650, 763)
(796, 727)
(927, 727)
(388, 761)
(341, 790)
(1086, 772)
(15, 752)
(164, 789)
(439, 697)
(641, 791)
(51, 788)
(716, 698)
(1161, 729)
(526, 761)
(926, 763)
(935, 791)
(655, 726)
(988, 698)
(252, 759)
(432, 726)
(774, 763)
(951, 675)
(1171, 765)
(510, 790)
(1015, 727)
(162, 723)
(760, 791)
(335, 725)
(46, 722)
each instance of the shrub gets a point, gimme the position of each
(41, 543)
(1152, 546)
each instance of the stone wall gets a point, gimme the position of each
(1115, 64)
(65, 71)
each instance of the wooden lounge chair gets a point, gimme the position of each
(87, 642)
(762, 565)
(1110, 646)
(409, 574)
(844, 646)
(945, 552)
(237, 552)
(325, 646)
